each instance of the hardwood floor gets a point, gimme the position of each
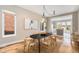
(13, 48)
(59, 48)
(65, 48)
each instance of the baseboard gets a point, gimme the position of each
(4, 45)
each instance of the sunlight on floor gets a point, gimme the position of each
(67, 38)
(66, 45)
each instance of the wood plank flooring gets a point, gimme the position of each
(19, 48)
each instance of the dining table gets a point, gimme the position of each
(39, 36)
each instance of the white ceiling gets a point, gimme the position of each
(59, 9)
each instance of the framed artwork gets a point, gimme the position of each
(8, 23)
(31, 24)
(27, 23)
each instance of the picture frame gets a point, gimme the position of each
(31, 24)
(8, 23)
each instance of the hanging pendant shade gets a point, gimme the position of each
(45, 11)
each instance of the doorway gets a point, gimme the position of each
(62, 27)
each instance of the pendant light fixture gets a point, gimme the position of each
(45, 11)
(43, 17)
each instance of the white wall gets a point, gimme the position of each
(78, 21)
(21, 33)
